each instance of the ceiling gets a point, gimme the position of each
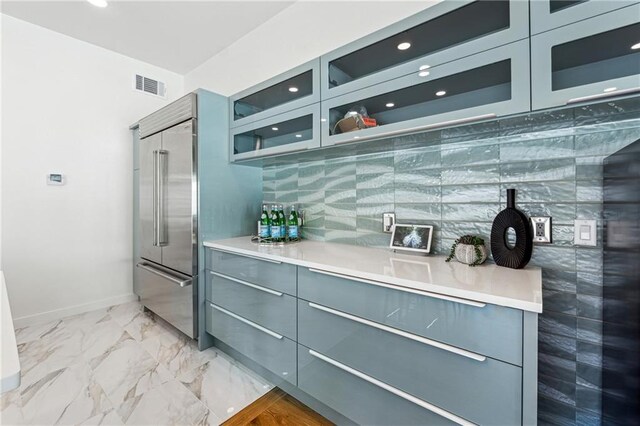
(175, 35)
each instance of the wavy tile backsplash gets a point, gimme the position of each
(457, 183)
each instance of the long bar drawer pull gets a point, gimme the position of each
(182, 283)
(249, 256)
(246, 321)
(257, 287)
(408, 290)
(472, 355)
(430, 407)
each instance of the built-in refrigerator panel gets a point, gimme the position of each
(149, 147)
(621, 288)
(179, 199)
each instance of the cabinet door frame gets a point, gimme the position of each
(314, 142)
(518, 52)
(518, 29)
(543, 20)
(313, 66)
(542, 95)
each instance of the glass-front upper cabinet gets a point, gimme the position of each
(481, 86)
(289, 132)
(293, 89)
(549, 14)
(588, 60)
(447, 31)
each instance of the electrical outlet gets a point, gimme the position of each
(388, 220)
(541, 226)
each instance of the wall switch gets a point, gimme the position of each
(55, 179)
(585, 232)
(388, 220)
(541, 226)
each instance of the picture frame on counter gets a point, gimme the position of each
(412, 238)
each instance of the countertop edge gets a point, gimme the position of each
(398, 283)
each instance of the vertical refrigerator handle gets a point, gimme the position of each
(161, 207)
(156, 238)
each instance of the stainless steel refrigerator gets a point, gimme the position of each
(167, 267)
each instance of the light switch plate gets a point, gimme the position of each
(541, 226)
(388, 220)
(585, 232)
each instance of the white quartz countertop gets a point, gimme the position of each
(488, 283)
(9, 361)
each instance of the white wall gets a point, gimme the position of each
(299, 33)
(66, 107)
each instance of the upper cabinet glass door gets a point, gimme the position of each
(442, 33)
(482, 86)
(589, 60)
(294, 89)
(289, 132)
(549, 14)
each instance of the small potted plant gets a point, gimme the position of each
(468, 249)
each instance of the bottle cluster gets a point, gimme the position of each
(275, 225)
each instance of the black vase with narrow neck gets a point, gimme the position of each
(514, 254)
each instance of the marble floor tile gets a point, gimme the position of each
(122, 366)
(168, 404)
(126, 371)
(176, 352)
(224, 386)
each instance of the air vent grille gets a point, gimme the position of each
(149, 85)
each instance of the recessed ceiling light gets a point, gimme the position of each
(424, 67)
(635, 46)
(98, 3)
(404, 46)
(610, 89)
(298, 135)
(293, 89)
(275, 129)
(390, 105)
(441, 93)
(423, 73)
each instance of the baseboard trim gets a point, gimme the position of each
(72, 310)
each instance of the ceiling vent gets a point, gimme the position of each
(149, 85)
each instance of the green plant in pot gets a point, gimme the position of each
(468, 249)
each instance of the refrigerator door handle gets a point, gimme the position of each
(181, 282)
(161, 207)
(156, 237)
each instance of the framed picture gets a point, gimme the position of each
(411, 237)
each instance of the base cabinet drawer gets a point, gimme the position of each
(268, 273)
(271, 350)
(362, 399)
(270, 308)
(489, 330)
(477, 388)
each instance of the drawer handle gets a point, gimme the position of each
(250, 256)
(186, 282)
(467, 354)
(603, 95)
(246, 321)
(408, 290)
(257, 287)
(430, 407)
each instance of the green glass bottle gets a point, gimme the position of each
(275, 224)
(282, 220)
(292, 223)
(265, 222)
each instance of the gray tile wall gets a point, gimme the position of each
(457, 183)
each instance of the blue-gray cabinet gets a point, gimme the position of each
(588, 60)
(293, 89)
(549, 14)
(477, 87)
(447, 31)
(296, 130)
(373, 352)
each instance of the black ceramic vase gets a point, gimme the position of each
(518, 255)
